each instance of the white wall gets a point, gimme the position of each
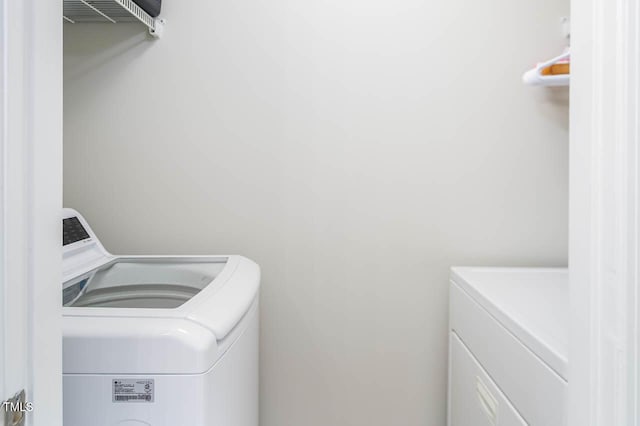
(355, 149)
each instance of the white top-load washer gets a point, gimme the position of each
(509, 342)
(157, 340)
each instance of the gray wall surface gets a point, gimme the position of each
(354, 149)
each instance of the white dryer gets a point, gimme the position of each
(157, 340)
(508, 347)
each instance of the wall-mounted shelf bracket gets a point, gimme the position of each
(566, 28)
(158, 28)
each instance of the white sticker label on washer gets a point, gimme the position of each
(132, 390)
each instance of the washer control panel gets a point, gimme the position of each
(73, 231)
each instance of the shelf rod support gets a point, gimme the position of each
(97, 10)
(68, 20)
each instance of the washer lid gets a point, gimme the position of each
(99, 284)
(116, 339)
(160, 283)
(532, 303)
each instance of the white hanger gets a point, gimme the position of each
(535, 77)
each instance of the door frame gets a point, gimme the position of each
(604, 379)
(31, 205)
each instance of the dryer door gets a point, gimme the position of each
(474, 399)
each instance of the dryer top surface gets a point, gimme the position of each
(532, 303)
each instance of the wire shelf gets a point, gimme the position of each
(113, 11)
